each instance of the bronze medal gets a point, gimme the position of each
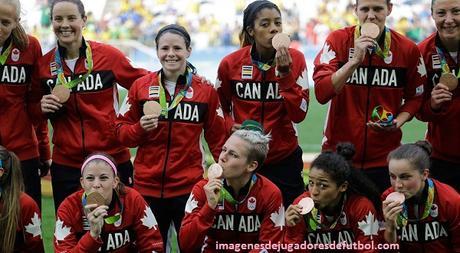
(370, 29)
(396, 197)
(152, 108)
(449, 80)
(307, 205)
(215, 171)
(95, 198)
(281, 40)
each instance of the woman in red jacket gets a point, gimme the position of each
(431, 209)
(20, 218)
(84, 74)
(441, 107)
(346, 205)
(170, 157)
(19, 94)
(240, 206)
(121, 221)
(270, 86)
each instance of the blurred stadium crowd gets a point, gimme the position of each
(218, 23)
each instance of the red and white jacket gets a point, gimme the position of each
(28, 233)
(443, 126)
(440, 231)
(358, 222)
(396, 83)
(170, 158)
(257, 218)
(136, 231)
(86, 123)
(277, 103)
(19, 94)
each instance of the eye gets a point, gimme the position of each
(264, 24)
(89, 178)
(323, 186)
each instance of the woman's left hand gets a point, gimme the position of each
(283, 60)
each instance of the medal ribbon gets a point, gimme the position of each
(60, 72)
(225, 195)
(5, 54)
(403, 216)
(444, 66)
(164, 108)
(109, 219)
(314, 220)
(386, 44)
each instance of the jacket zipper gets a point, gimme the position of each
(366, 119)
(80, 116)
(168, 147)
(262, 114)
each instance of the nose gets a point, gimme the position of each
(398, 184)
(314, 191)
(274, 28)
(371, 15)
(449, 17)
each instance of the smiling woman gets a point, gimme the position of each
(79, 79)
(169, 160)
(86, 226)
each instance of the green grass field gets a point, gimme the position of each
(310, 135)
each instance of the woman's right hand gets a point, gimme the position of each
(362, 44)
(96, 219)
(212, 191)
(50, 103)
(391, 209)
(439, 95)
(293, 215)
(149, 122)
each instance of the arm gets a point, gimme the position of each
(31, 220)
(214, 126)
(454, 224)
(128, 127)
(413, 91)
(65, 234)
(328, 77)
(225, 94)
(199, 215)
(294, 87)
(123, 69)
(296, 227)
(148, 237)
(435, 103)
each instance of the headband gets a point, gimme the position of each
(174, 27)
(99, 157)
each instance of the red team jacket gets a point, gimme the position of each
(440, 231)
(400, 77)
(137, 232)
(443, 126)
(357, 223)
(169, 160)
(258, 218)
(86, 123)
(19, 94)
(277, 103)
(28, 233)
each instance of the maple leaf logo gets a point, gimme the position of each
(278, 217)
(219, 111)
(125, 106)
(191, 204)
(61, 231)
(369, 226)
(149, 219)
(34, 227)
(303, 79)
(327, 55)
(421, 69)
(217, 84)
